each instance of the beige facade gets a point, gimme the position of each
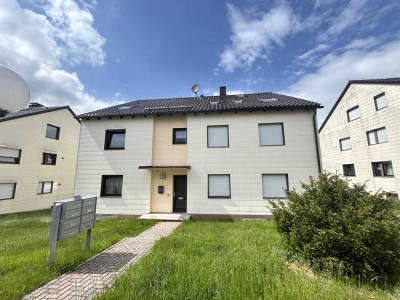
(361, 154)
(28, 134)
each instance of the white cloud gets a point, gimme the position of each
(230, 92)
(349, 16)
(253, 37)
(37, 47)
(327, 82)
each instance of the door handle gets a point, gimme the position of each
(180, 198)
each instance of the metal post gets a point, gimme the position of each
(88, 234)
(55, 220)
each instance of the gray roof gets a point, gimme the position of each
(394, 80)
(33, 111)
(245, 102)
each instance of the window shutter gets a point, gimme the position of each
(8, 152)
(218, 136)
(354, 113)
(345, 144)
(274, 185)
(6, 190)
(270, 134)
(382, 135)
(219, 186)
(371, 138)
(380, 101)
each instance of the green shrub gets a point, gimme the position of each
(342, 229)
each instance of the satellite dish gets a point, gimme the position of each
(14, 92)
(195, 88)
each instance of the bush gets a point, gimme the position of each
(342, 229)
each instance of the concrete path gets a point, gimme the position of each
(94, 276)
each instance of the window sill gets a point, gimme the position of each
(353, 119)
(44, 193)
(114, 148)
(9, 163)
(110, 196)
(275, 198)
(218, 147)
(52, 138)
(6, 199)
(219, 197)
(386, 176)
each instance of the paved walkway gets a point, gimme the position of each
(94, 276)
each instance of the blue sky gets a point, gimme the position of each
(90, 54)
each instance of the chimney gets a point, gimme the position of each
(222, 92)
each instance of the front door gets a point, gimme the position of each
(180, 193)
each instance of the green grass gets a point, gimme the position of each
(24, 249)
(229, 260)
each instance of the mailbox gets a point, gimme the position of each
(161, 189)
(71, 217)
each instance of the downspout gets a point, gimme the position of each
(317, 141)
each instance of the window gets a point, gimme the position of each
(45, 187)
(383, 168)
(10, 155)
(52, 132)
(380, 101)
(271, 134)
(345, 144)
(111, 185)
(49, 159)
(353, 113)
(179, 136)
(274, 185)
(349, 170)
(115, 139)
(7, 190)
(219, 186)
(217, 136)
(377, 136)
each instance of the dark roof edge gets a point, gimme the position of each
(210, 111)
(44, 111)
(350, 82)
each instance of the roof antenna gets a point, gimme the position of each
(195, 89)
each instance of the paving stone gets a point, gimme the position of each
(95, 275)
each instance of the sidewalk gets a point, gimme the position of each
(92, 277)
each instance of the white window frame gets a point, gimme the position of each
(14, 189)
(227, 136)
(281, 196)
(261, 125)
(227, 196)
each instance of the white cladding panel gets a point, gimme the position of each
(362, 154)
(94, 161)
(245, 160)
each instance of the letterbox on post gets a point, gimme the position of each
(71, 217)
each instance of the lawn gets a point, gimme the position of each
(24, 249)
(229, 260)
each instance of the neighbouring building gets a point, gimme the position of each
(38, 149)
(213, 156)
(360, 137)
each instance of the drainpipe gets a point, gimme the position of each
(315, 123)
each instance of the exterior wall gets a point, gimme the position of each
(94, 161)
(163, 203)
(28, 134)
(246, 161)
(361, 154)
(164, 152)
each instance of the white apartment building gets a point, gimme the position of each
(218, 156)
(360, 137)
(38, 149)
